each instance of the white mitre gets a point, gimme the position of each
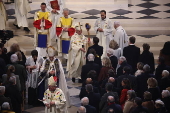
(52, 81)
(78, 26)
(51, 51)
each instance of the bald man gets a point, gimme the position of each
(120, 35)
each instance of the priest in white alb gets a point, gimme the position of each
(120, 36)
(104, 29)
(54, 98)
(22, 8)
(56, 9)
(3, 15)
(77, 52)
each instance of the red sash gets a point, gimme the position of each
(37, 23)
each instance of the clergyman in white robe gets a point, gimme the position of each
(54, 16)
(120, 36)
(3, 16)
(22, 7)
(105, 36)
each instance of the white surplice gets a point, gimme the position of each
(3, 16)
(106, 36)
(121, 37)
(22, 7)
(54, 16)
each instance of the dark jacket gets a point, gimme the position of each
(141, 81)
(116, 107)
(132, 53)
(156, 94)
(2, 67)
(114, 61)
(97, 48)
(88, 67)
(140, 109)
(166, 101)
(15, 96)
(164, 83)
(94, 99)
(21, 72)
(90, 109)
(83, 92)
(120, 69)
(5, 99)
(103, 102)
(147, 58)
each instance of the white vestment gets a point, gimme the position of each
(106, 35)
(41, 51)
(3, 16)
(33, 74)
(76, 58)
(58, 98)
(121, 37)
(54, 16)
(62, 80)
(22, 7)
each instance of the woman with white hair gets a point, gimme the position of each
(160, 107)
(165, 80)
(166, 99)
(116, 49)
(5, 108)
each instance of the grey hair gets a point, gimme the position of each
(84, 101)
(165, 73)
(12, 79)
(122, 58)
(2, 90)
(117, 23)
(14, 58)
(81, 109)
(5, 106)
(165, 93)
(65, 9)
(90, 57)
(89, 88)
(146, 68)
(111, 99)
(131, 94)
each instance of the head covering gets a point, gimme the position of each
(51, 51)
(52, 81)
(78, 26)
(14, 58)
(110, 51)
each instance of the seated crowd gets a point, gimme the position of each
(118, 83)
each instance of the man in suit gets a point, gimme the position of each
(94, 98)
(96, 47)
(3, 98)
(89, 66)
(141, 81)
(103, 102)
(112, 105)
(123, 63)
(112, 58)
(89, 108)
(126, 74)
(132, 53)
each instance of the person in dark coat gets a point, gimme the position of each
(89, 108)
(123, 63)
(160, 107)
(96, 47)
(166, 99)
(103, 102)
(83, 91)
(89, 66)
(112, 105)
(153, 88)
(126, 74)
(2, 65)
(141, 81)
(138, 106)
(94, 98)
(3, 54)
(132, 53)
(161, 66)
(112, 58)
(165, 80)
(3, 98)
(147, 57)
(14, 94)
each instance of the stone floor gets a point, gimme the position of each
(147, 20)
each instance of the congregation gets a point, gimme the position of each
(116, 76)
